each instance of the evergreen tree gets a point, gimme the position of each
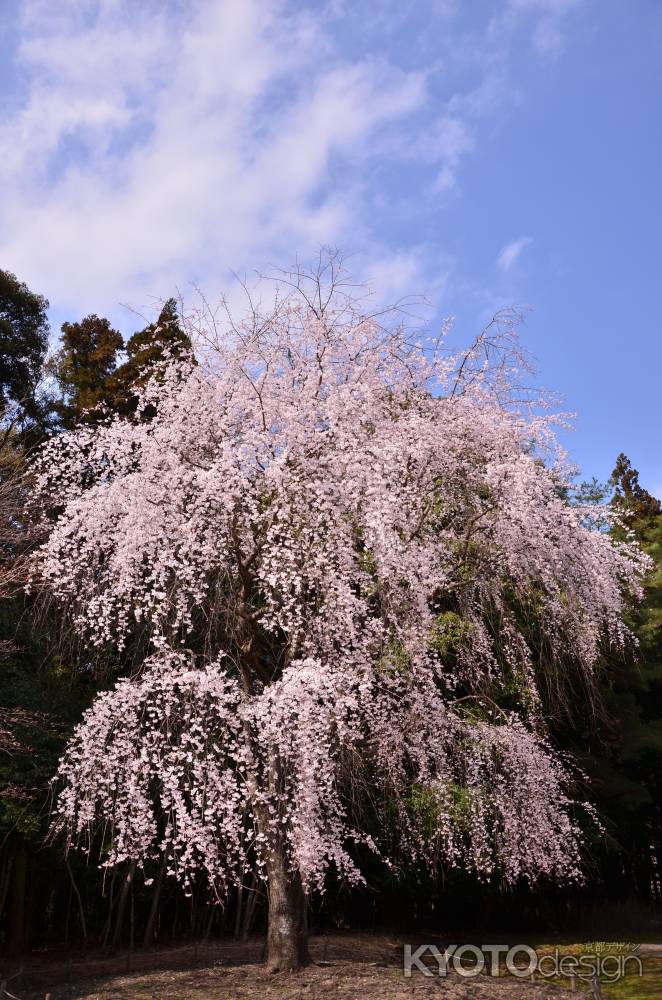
(633, 502)
(23, 342)
(623, 752)
(83, 369)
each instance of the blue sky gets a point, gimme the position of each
(484, 152)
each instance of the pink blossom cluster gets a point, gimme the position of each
(342, 544)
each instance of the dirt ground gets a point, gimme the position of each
(352, 967)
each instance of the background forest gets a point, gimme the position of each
(48, 678)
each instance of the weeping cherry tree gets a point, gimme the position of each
(339, 545)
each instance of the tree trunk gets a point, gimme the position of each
(237, 916)
(287, 931)
(154, 908)
(287, 919)
(111, 905)
(249, 912)
(81, 908)
(121, 904)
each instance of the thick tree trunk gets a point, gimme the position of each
(287, 920)
(287, 931)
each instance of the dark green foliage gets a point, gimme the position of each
(23, 343)
(83, 368)
(41, 699)
(86, 366)
(622, 750)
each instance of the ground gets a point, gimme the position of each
(345, 967)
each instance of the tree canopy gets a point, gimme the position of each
(357, 577)
(24, 333)
(83, 368)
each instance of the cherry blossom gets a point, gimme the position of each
(342, 544)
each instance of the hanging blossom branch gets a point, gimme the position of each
(338, 540)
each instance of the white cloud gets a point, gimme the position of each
(398, 276)
(449, 140)
(151, 151)
(150, 144)
(509, 254)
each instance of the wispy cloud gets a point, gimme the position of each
(148, 145)
(135, 160)
(545, 20)
(509, 254)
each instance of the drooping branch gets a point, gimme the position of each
(334, 538)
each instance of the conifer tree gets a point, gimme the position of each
(621, 748)
(23, 342)
(83, 369)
